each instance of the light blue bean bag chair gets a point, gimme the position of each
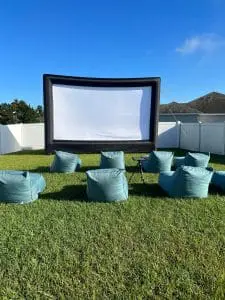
(20, 186)
(112, 160)
(178, 161)
(65, 162)
(197, 159)
(192, 160)
(218, 179)
(107, 185)
(158, 161)
(186, 181)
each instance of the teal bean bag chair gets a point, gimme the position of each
(158, 161)
(65, 162)
(186, 181)
(192, 160)
(178, 161)
(197, 159)
(112, 160)
(20, 186)
(218, 179)
(107, 185)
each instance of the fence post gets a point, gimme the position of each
(178, 133)
(21, 139)
(200, 135)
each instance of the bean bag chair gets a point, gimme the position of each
(20, 186)
(65, 162)
(197, 159)
(112, 160)
(178, 161)
(186, 181)
(218, 179)
(107, 185)
(192, 160)
(158, 161)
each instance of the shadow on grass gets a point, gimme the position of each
(152, 190)
(71, 193)
(217, 159)
(44, 169)
(41, 169)
(214, 190)
(68, 193)
(28, 152)
(132, 169)
(84, 169)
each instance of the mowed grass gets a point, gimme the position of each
(150, 247)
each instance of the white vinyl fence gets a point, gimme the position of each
(203, 137)
(19, 137)
(168, 135)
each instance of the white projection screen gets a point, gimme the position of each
(101, 114)
(94, 114)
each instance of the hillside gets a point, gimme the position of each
(211, 103)
(175, 107)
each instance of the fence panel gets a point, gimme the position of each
(168, 135)
(212, 138)
(205, 137)
(33, 136)
(10, 138)
(189, 136)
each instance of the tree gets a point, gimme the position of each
(20, 112)
(40, 113)
(6, 114)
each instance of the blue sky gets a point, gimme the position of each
(182, 41)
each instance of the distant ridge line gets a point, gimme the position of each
(213, 102)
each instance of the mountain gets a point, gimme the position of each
(211, 103)
(175, 107)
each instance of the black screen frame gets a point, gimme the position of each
(96, 146)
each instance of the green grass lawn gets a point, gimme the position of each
(150, 247)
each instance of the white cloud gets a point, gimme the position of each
(206, 43)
